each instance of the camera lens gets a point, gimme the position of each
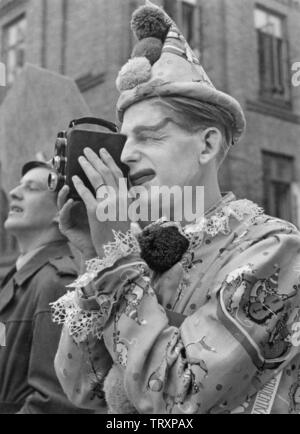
(61, 146)
(56, 162)
(52, 181)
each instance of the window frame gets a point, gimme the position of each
(270, 181)
(265, 94)
(6, 49)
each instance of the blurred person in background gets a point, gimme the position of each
(45, 266)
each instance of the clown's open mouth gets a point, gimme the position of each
(141, 177)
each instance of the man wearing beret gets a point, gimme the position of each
(187, 317)
(28, 384)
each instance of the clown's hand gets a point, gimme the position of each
(105, 176)
(73, 223)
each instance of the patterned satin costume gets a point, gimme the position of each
(238, 289)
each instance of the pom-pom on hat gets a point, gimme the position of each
(150, 48)
(136, 70)
(150, 21)
(163, 64)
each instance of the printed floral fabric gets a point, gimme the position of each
(237, 348)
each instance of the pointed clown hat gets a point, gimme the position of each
(163, 64)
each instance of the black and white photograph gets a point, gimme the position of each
(150, 209)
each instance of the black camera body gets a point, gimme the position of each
(69, 147)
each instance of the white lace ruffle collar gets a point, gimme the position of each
(216, 220)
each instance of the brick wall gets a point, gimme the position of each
(230, 57)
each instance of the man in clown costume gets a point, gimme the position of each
(183, 318)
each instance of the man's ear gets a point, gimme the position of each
(211, 140)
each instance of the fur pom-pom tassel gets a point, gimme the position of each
(150, 21)
(150, 48)
(162, 246)
(134, 72)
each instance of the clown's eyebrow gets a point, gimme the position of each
(141, 129)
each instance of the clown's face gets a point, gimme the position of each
(158, 151)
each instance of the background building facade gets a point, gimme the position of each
(247, 47)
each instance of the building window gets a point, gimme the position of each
(278, 181)
(14, 47)
(272, 54)
(186, 14)
(188, 25)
